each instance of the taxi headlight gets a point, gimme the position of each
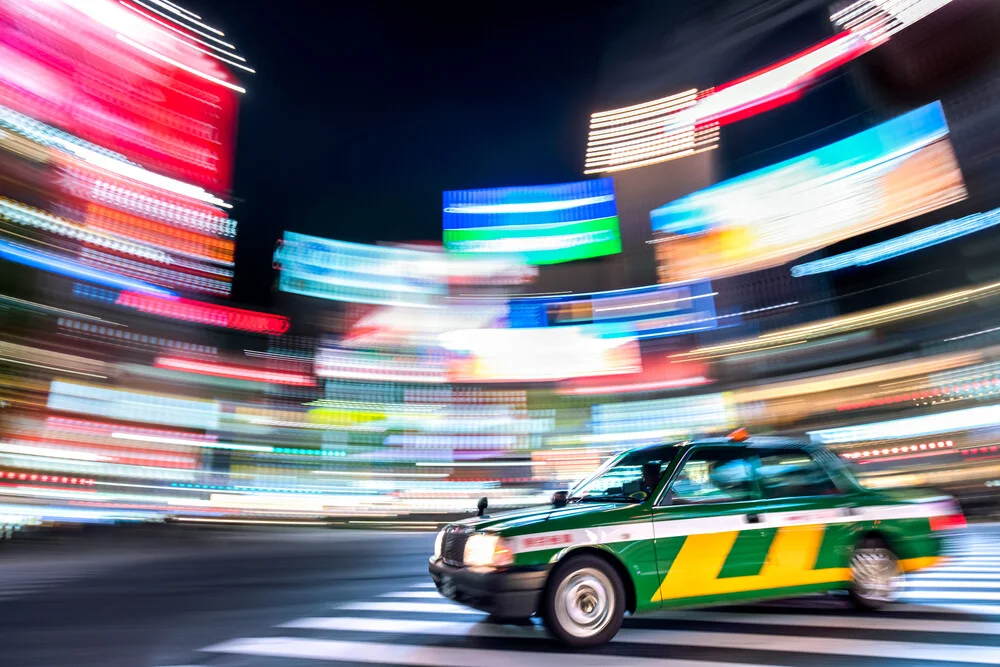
(438, 541)
(486, 550)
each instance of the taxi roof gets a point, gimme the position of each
(753, 442)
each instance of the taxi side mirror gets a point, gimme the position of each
(482, 505)
(560, 498)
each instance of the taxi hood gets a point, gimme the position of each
(534, 515)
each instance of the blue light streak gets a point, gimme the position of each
(19, 254)
(902, 245)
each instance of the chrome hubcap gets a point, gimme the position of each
(875, 574)
(584, 602)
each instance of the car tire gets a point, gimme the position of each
(875, 574)
(584, 602)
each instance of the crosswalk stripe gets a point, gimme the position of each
(414, 595)
(811, 644)
(407, 626)
(969, 562)
(949, 583)
(435, 656)
(951, 608)
(950, 595)
(979, 577)
(477, 629)
(848, 622)
(421, 607)
(702, 639)
(425, 584)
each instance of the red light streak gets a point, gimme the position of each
(206, 313)
(54, 479)
(235, 372)
(897, 452)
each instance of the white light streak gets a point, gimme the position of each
(183, 34)
(51, 368)
(478, 464)
(177, 63)
(958, 420)
(166, 440)
(195, 30)
(178, 8)
(530, 207)
(352, 473)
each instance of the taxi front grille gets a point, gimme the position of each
(453, 549)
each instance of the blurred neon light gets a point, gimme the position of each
(111, 191)
(34, 258)
(195, 30)
(687, 123)
(652, 311)
(332, 362)
(31, 217)
(845, 323)
(50, 452)
(235, 372)
(133, 406)
(540, 354)
(384, 275)
(878, 20)
(778, 83)
(544, 224)
(100, 157)
(879, 252)
(776, 214)
(958, 420)
(205, 313)
(192, 443)
(187, 280)
(186, 35)
(38, 477)
(636, 387)
(529, 207)
(176, 63)
(905, 449)
(190, 19)
(176, 9)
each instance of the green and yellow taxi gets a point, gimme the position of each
(694, 523)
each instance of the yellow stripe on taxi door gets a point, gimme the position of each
(790, 561)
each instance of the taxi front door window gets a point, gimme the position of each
(712, 476)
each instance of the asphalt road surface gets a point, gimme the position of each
(292, 598)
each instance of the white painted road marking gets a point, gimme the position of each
(435, 656)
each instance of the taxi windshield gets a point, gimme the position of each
(630, 479)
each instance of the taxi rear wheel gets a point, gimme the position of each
(584, 602)
(875, 574)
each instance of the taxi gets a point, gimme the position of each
(694, 523)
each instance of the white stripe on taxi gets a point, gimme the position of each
(646, 530)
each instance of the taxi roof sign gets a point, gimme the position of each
(739, 435)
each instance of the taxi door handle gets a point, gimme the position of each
(753, 518)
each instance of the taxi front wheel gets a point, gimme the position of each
(584, 602)
(875, 574)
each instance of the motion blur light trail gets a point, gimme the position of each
(507, 358)
(880, 252)
(688, 123)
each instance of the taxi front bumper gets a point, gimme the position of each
(507, 593)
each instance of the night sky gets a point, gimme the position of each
(361, 113)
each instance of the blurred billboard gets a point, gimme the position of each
(545, 224)
(881, 176)
(653, 312)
